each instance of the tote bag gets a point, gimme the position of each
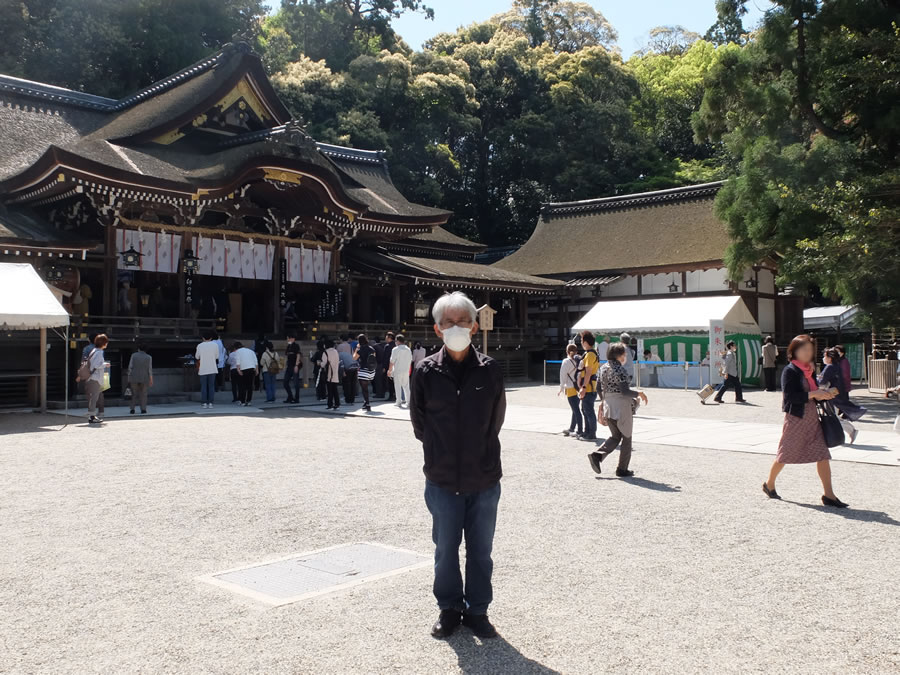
(831, 425)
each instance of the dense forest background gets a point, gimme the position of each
(801, 114)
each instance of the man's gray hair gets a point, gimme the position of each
(454, 300)
(625, 337)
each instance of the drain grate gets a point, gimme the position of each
(306, 575)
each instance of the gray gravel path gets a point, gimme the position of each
(687, 568)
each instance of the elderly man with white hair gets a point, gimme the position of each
(457, 410)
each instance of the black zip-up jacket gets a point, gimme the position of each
(459, 422)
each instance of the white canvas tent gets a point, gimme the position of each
(669, 315)
(26, 303)
(713, 316)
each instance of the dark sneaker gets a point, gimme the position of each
(595, 458)
(447, 623)
(566, 432)
(624, 473)
(479, 624)
(93, 420)
(131, 412)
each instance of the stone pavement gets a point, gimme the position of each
(685, 568)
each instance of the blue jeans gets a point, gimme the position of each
(475, 515)
(207, 388)
(574, 403)
(590, 415)
(269, 384)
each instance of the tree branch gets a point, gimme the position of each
(803, 93)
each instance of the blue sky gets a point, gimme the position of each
(631, 18)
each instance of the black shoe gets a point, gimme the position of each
(131, 411)
(288, 400)
(447, 623)
(479, 624)
(143, 412)
(93, 420)
(595, 458)
(770, 493)
(624, 473)
(836, 503)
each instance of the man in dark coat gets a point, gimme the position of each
(457, 410)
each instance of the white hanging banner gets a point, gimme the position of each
(233, 259)
(203, 249)
(166, 257)
(147, 246)
(217, 256)
(248, 268)
(326, 263)
(308, 275)
(261, 268)
(270, 261)
(294, 265)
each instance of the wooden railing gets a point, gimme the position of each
(138, 327)
(508, 337)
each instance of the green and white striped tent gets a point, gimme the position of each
(677, 329)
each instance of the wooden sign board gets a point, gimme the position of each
(486, 317)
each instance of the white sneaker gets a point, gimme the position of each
(202, 405)
(209, 405)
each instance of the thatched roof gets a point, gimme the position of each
(623, 233)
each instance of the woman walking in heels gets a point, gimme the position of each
(802, 440)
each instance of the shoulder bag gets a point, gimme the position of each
(831, 425)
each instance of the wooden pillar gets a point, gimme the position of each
(110, 276)
(277, 309)
(560, 321)
(396, 288)
(349, 292)
(365, 300)
(684, 283)
(42, 387)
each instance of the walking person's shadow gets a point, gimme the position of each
(861, 515)
(493, 656)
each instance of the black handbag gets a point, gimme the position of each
(831, 425)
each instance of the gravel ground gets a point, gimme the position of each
(764, 407)
(686, 568)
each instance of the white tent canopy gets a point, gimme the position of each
(836, 317)
(25, 301)
(669, 315)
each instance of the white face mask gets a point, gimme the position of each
(457, 338)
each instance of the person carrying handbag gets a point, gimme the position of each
(802, 438)
(617, 405)
(270, 366)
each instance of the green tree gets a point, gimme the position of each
(729, 26)
(811, 106)
(669, 40)
(114, 48)
(563, 26)
(671, 89)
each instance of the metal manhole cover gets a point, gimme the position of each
(301, 576)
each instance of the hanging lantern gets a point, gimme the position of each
(751, 283)
(190, 262)
(132, 258)
(673, 287)
(343, 275)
